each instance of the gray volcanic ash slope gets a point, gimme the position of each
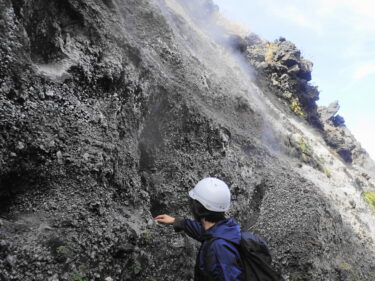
(111, 110)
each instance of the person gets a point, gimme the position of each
(218, 258)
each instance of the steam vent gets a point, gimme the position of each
(112, 110)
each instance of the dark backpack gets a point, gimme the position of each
(256, 258)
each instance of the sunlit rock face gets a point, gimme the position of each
(110, 111)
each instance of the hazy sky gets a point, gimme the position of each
(338, 36)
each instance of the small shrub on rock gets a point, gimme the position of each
(369, 197)
(295, 106)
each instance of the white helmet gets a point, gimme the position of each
(212, 193)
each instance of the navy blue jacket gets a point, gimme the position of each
(222, 261)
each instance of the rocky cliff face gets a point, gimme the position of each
(280, 68)
(110, 111)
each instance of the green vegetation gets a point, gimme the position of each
(79, 277)
(327, 172)
(269, 54)
(321, 159)
(307, 154)
(346, 267)
(64, 251)
(369, 197)
(304, 147)
(146, 237)
(321, 163)
(296, 107)
(137, 267)
(349, 268)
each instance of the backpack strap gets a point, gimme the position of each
(257, 259)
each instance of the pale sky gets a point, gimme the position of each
(338, 36)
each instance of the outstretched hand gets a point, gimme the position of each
(165, 219)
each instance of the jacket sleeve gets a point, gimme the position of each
(192, 228)
(223, 262)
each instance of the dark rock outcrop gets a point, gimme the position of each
(339, 137)
(280, 67)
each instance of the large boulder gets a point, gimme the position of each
(339, 137)
(327, 113)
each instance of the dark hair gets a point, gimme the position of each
(200, 212)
